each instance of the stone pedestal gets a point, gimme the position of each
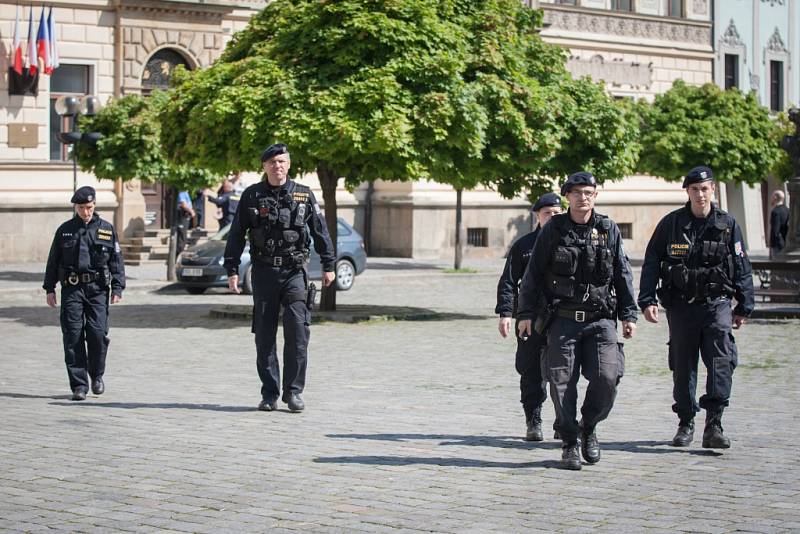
(131, 210)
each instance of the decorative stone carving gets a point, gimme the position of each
(700, 7)
(775, 43)
(643, 28)
(773, 3)
(731, 36)
(615, 72)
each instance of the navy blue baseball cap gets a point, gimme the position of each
(84, 195)
(548, 199)
(274, 150)
(579, 178)
(697, 175)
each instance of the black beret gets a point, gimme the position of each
(579, 178)
(696, 175)
(548, 199)
(84, 195)
(274, 150)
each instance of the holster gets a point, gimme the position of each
(544, 319)
(311, 295)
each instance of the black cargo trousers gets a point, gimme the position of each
(275, 288)
(588, 348)
(84, 328)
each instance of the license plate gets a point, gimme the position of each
(193, 272)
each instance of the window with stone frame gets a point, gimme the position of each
(67, 79)
(622, 5)
(731, 71)
(675, 8)
(776, 85)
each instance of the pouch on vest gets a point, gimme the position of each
(300, 218)
(285, 217)
(560, 286)
(565, 261)
(290, 236)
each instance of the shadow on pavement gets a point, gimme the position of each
(158, 406)
(29, 396)
(21, 276)
(127, 316)
(647, 447)
(503, 442)
(433, 460)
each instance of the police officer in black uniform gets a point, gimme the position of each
(577, 284)
(280, 216)
(228, 202)
(694, 264)
(85, 258)
(533, 388)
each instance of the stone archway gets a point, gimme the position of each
(158, 70)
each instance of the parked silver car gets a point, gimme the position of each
(200, 267)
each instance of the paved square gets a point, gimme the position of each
(410, 426)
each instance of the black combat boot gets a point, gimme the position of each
(534, 431)
(570, 457)
(590, 447)
(685, 434)
(713, 438)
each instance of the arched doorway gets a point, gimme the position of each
(156, 74)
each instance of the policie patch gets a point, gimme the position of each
(104, 234)
(300, 197)
(678, 250)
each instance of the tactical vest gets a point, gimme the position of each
(88, 250)
(279, 222)
(697, 269)
(579, 274)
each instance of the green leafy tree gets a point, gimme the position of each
(130, 148)
(463, 92)
(704, 125)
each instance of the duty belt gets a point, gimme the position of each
(80, 278)
(580, 316)
(285, 260)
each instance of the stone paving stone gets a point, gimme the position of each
(410, 427)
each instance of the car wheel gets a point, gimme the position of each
(247, 284)
(345, 275)
(196, 290)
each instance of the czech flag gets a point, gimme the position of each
(16, 52)
(51, 29)
(30, 61)
(43, 44)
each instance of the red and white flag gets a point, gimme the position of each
(31, 61)
(16, 52)
(51, 28)
(43, 44)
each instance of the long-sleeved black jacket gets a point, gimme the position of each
(516, 262)
(85, 248)
(533, 281)
(315, 223)
(657, 252)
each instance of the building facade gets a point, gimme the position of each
(115, 47)
(108, 48)
(756, 50)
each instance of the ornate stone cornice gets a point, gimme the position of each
(192, 10)
(773, 3)
(626, 25)
(731, 35)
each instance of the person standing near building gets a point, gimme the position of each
(778, 223)
(227, 200)
(694, 264)
(577, 284)
(185, 215)
(280, 216)
(533, 388)
(85, 258)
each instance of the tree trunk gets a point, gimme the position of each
(328, 180)
(457, 263)
(368, 217)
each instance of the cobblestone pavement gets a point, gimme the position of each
(410, 426)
